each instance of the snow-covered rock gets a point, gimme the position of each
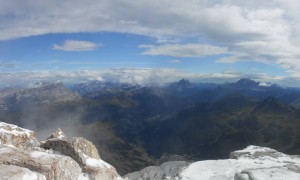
(167, 170)
(15, 136)
(74, 147)
(59, 157)
(57, 134)
(84, 153)
(52, 166)
(251, 163)
(16, 173)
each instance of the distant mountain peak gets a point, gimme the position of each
(247, 82)
(182, 84)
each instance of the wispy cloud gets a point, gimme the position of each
(174, 61)
(75, 45)
(7, 65)
(183, 50)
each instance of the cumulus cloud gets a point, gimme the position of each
(264, 31)
(75, 45)
(183, 50)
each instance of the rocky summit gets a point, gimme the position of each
(252, 163)
(63, 158)
(59, 157)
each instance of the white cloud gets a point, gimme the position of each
(174, 61)
(75, 45)
(183, 50)
(265, 31)
(146, 76)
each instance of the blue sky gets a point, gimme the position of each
(196, 39)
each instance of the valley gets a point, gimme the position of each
(135, 126)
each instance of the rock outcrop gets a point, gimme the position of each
(15, 136)
(59, 157)
(252, 163)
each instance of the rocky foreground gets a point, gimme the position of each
(59, 157)
(252, 163)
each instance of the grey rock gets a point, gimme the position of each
(19, 137)
(50, 165)
(85, 154)
(255, 153)
(76, 148)
(57, 134)
(169, 170)
(241, 176)
(11, 172)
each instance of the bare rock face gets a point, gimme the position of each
(168, 169)
(84, 153)
(12, 172)
(76, 148)
(58, 157)
(51, 165)
(16, 136)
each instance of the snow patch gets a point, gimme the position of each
(32, 176)
(96, 162)
(265, 84)
(14, 130)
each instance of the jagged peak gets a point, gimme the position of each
(57, 134)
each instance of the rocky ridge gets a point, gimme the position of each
(59, 157)
(251, 163)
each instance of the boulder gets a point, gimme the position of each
(52, 166)
(74, 147)
(18, 137)
(166, 170)
(12, 172)
(84, 153)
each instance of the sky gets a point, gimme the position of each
(150, 41)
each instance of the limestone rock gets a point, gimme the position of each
(73, 147)
(11, 172)
(57, 134)
(84, 153)
(50, 165)
(168, 169)
(100, 170)
(58, 158)
(251, 163)
(254, 152)
(13, 135)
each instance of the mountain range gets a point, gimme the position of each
(136, 126)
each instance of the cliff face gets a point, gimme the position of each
(59, 157)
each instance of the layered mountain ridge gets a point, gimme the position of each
(136, 126)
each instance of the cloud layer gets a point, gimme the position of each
(147, 76)
(261, 31)
(183, 50)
